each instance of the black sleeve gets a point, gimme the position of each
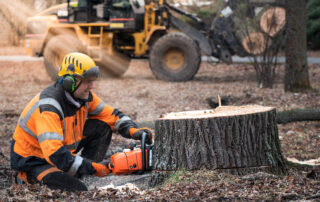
(124, 123)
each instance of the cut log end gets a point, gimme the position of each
(273, 20)
(254, 43)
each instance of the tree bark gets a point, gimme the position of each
(296, 69)
(238, 139)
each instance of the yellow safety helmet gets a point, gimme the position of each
(79, 65)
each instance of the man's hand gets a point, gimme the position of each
(137, 134)
(102, 169)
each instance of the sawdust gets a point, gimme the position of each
(220, 111)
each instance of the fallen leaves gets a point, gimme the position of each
(206, 185)
(139, 94)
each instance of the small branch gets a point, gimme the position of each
(4, 167)
(316, 196)
(4, 156)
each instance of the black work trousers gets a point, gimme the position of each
(94, 147)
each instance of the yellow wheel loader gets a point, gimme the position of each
(114, 31)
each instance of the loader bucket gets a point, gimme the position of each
(112, 63)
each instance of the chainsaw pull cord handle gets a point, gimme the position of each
(143, 151)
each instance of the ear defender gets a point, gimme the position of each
(69, 83)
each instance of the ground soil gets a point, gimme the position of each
(138, 94)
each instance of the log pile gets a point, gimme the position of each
(252, 30)
(239, 140)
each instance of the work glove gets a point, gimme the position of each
(137, 134)
(102, 169)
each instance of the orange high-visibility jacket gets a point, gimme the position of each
(51, 127)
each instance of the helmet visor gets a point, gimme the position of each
(92, 74)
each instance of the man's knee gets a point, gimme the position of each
(97, 139)
(95, 128)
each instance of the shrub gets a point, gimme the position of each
(205, 13)
(313, 24)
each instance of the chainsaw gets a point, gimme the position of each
(133, 160)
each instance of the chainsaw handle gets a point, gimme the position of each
(143, 152)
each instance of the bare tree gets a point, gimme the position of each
(296, 70)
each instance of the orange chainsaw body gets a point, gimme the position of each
(126, 162)
(131, 161)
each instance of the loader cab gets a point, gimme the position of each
(122, 14)
(130, 13)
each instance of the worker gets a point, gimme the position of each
(58, 134)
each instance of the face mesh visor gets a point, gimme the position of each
(91, 74)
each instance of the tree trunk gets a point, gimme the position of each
(241, 139)
(298, 115)
(296, 70)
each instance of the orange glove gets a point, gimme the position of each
(136, 134)
(101, 169)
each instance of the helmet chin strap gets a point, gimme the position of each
(76, 88)
(80, 99)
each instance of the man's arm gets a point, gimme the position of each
(51, 137)
(116, 120)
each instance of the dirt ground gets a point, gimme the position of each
(144, 98)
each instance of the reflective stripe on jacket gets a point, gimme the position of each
(51, 127)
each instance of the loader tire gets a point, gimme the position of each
(57, 47)
(175, 57)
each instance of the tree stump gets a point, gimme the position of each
(240, 139)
